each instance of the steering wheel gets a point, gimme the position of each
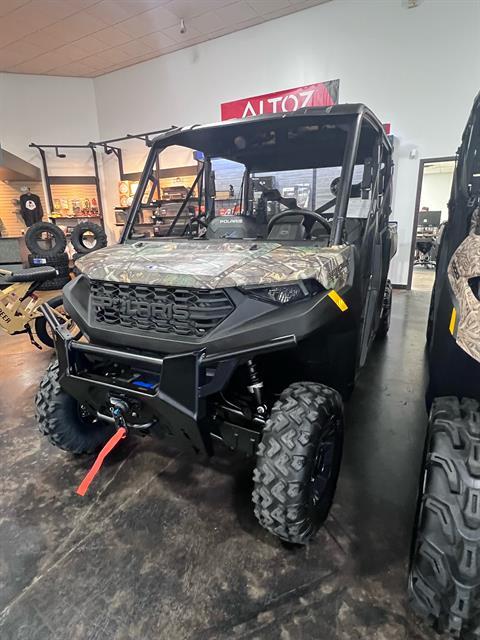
(199, 220)
(304, 212)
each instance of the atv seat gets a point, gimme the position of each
(35, 274)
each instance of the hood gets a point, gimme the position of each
(218, 264)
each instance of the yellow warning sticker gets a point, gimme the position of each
(453, 320)
(339, 301)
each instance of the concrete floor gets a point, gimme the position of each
(165, 548)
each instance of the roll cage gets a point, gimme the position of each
(315, 137)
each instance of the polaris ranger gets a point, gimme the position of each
(243, 329)
(444, 582)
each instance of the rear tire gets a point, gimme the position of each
(59, 418)
(298, 461)
(444, 581)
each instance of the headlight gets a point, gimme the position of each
(285, 293)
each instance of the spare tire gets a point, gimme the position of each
(82, 240)
(60, 262)
(54, 283)
(52, 245)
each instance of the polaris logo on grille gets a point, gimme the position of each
(140, 309)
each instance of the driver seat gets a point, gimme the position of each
(290, 228)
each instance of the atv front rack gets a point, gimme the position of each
(170, 389)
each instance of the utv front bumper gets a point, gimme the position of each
(167, 394)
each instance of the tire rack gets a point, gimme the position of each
(108, 147)
(69, 180)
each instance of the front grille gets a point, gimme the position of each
(167, 310)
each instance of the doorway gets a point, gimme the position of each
(431, 212)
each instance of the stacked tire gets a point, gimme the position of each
(86, 237)
(47, 244)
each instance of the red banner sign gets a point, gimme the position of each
(322, 94)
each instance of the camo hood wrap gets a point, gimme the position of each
(217, 264)
(465, 264)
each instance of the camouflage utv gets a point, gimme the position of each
(445, 560)
(246, 323)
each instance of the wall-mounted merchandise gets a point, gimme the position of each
(16, 210)
(72, 199)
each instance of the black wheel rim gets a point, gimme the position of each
(86, 415)
(323, 466)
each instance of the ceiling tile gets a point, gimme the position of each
(73, 52)
(38, 15)
(92, 44)
(13, 30)
(107, 58)
(114, 11)
(237, 12)
(158, 41)
(6, 6)
(41, 64)
(81, 24)
(191, 8)
(72, 69)
(207, 22)
(18, 52)
(80, 5)
(155, 20)
(265, 7)
(136, 48)
(55, 34)
(112, 36)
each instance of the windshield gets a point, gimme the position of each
(272, 169)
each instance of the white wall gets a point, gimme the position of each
(435, 194)
(380, 50)
(48, 110)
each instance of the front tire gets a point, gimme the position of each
(298, 461)
(444, 581)
(63, 422)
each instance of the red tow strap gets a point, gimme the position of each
(111, 444)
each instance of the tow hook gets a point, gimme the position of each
(117, 409)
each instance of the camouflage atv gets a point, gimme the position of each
(444, 580)
(245, 329)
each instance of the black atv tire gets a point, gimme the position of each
(41, 325)
(54, 283)
(386, 314)
(292, 495)
(444, 580)
(60, 262)
(78, 241)
(59, 418)
(33, 236)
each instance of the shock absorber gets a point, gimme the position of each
(256, 385)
